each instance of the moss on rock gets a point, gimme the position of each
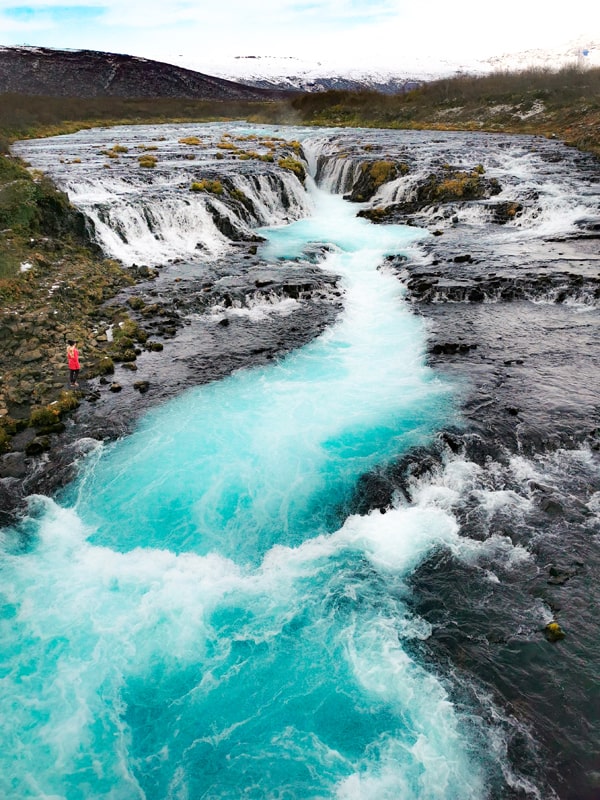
(373, 174)
(293, 165)
(553, 632)
(44, 417)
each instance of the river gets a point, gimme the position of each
(220, 605)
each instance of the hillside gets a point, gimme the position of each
(87, 73)
(563, 104)
(396, 73)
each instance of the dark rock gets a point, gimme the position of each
(450, 348)
(506, 211)
(551, 506)
(37, 446)
(560, 575)
(57, 427)
(13, 465)
(115, 387)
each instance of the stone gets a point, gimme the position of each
(13, 465)
(37, 446)
(32, 355)
(553, 632)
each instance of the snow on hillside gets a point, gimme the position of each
(296, 73)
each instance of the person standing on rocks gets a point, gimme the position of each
(73, 360)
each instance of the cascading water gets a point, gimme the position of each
(196, 619)
(274, 453)
(197, 615)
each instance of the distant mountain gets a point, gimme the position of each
(291, 73)
(88, 73)
(294, 74)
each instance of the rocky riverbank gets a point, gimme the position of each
(144, 335)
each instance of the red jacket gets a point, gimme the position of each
(73, 357)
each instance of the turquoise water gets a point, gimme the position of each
(198, 617)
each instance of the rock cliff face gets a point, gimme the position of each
(87, 73)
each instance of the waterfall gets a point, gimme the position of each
(210, 622)
(191, 204)
(202, 612)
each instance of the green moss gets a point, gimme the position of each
(374, 174)
(213, 187)
(293, 165)
(17, 204)
(4, 441)
(237, 194)
(190, 140)
(553, 632)
(126, 332)
(44, 417)
(127, 355)
(464, 186)
(136, 303)
(67, 401)
(104, 366)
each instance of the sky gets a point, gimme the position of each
(365, 33)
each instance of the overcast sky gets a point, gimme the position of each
(360, 32)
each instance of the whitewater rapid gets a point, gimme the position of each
(195, 618)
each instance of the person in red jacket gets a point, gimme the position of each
(73, 360)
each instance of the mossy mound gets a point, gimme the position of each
(454, 184)
(147, 161)
(125, 336)
(206, 185)
(293, 165)
(373, 174)
(449, 185)
(104, 366)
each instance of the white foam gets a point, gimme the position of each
(257, 310)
